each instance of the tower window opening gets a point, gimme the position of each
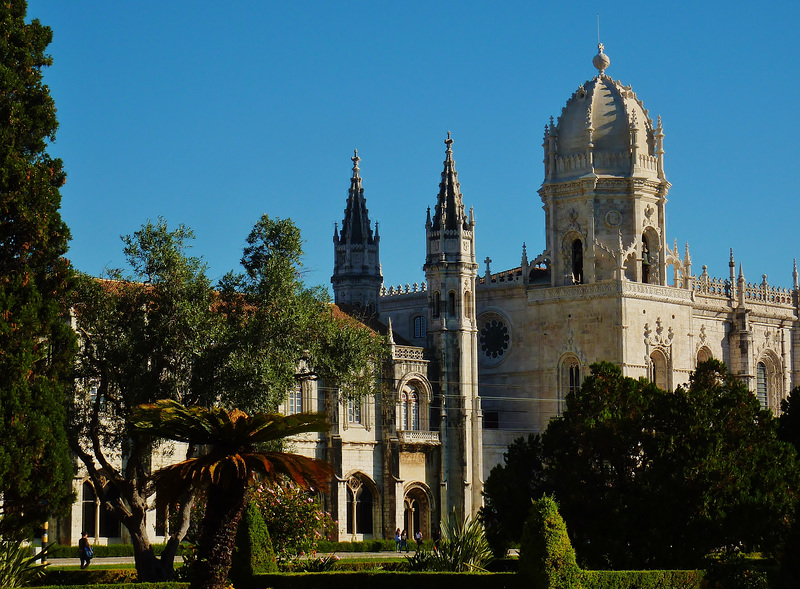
(577, 262)
(761, 385)
(645, 261)
(420, 327)
(451, 304)
(437, 303)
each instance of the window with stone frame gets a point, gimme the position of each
(410, 408)
(658, 371)
(354, 410)
(295, 400)
(420, 327)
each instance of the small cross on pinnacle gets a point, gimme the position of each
(488, 261)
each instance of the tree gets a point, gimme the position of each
(163, 331)
(143, 337)
(509, 490)
(789, 419)
(36, 343)
(547, 559)
(647, 478)
(230, 463)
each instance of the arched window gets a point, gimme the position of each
(703, 355)
(468, 305)
(577, 262)
(420, 327)
(761, 385)
(570, 380)
(412, 409)
(89, 509)
(437, 304)
(645, 260)
(359, 507)
(451, 304)
(658, 370)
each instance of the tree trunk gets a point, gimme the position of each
(215, 547)
(149, 568)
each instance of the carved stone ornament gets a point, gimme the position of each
(658, 338)
(613, 218)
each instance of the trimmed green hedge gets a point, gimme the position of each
(115, 550)
(385, 580)
(641, 579)
(88, 576)
(125, 586)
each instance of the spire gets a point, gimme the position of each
(355, 225)
(449, 211)
(795, 275)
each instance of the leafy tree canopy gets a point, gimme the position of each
(36, 343)
(646, 478)
(161, 330)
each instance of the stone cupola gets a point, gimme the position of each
(604, 189)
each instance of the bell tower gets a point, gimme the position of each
(605, 190)
(357, 276)
(451, 274)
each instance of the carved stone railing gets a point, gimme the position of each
(408, 353)
(404, 290)
(418, 437)
(712, 287)
(764, 293)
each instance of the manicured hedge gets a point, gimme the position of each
(125, 586)
(384, 580)
(115, 550)
(88, 576)
(641, 579)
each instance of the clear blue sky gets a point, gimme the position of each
(211, 114)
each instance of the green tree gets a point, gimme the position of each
(143, 337)
(647, 478)
(36, 343)
(509, 490)
(789, 419)
(162, 331)
(547, 559)
(230, 463)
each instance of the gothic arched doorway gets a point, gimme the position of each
(417, 512)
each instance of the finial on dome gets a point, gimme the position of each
(601, 61)
(355, 159)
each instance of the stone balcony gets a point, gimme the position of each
(418, 437)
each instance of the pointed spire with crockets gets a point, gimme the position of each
(449, 212)
(355, 225)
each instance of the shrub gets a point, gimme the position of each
(252, 554)
(731, 570)
(18, 566)
(547, 559)
(463, 548)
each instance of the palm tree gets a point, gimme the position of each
(230, 463)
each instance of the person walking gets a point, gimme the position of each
(397, 540)
(404, 541)
(85, 552)
(418, 539)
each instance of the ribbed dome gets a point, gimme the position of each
(603, 129)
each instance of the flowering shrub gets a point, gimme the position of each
(295, 519)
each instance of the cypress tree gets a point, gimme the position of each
(36, 342)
